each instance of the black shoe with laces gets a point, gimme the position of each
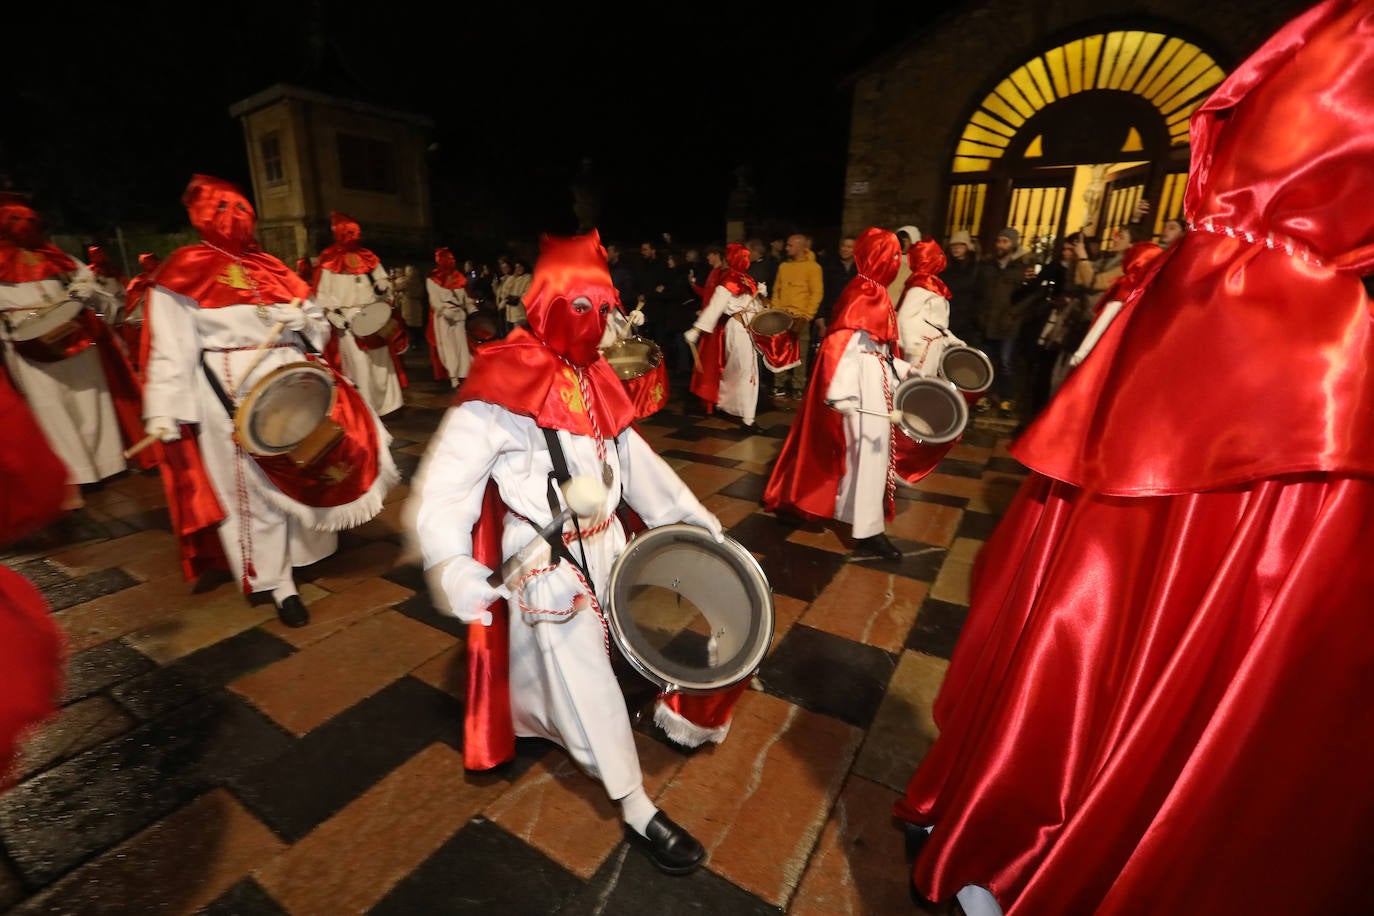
(671, 848)
(880, 545)
(291, 611)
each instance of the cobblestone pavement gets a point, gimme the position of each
(208, 759)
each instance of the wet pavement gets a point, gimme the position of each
(209, 760)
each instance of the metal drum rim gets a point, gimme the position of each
(960, 408)
(244, 407)
(738, 551)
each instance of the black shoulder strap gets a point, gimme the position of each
(557, 476)
(217, 388)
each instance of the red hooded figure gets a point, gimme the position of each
(806, 477)
(1160, 699)
(711, 347)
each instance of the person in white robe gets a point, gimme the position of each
(71, 397)
(212, 308)
(561, 683)
(739, 377)
(449, 308)
(347, 278)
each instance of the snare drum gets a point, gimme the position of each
(691, 615)
(311, 433)
(376, 325)
(775, 340)
(481, 328)
(287, 412)
(933, 411)
(632, 357)
(967, 369)
(51, 334)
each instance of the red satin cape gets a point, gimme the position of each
(215, 279)
(1159, 700)
(524, 376)
(649, 392)
(1151, 697)
(32, 646)
(25, 265)
(344, 258)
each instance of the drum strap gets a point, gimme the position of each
(557, 476)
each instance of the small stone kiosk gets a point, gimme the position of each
(310, 153)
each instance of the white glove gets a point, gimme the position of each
(291, 318)
(468, 592)
(165, 428)
(636, 319)
(845, 406)
(692, 335)
(704, 519)
(763, 290)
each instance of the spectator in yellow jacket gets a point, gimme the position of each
(797, 290)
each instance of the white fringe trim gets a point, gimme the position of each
(779, 369)
(349, 515)
(684, 731)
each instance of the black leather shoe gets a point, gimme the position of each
(291, 611)
(671, 848)
(880, 545)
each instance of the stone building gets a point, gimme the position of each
(310, 153)
(1049, 117)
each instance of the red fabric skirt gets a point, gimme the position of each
(1161, 705)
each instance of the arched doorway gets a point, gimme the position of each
(1075, 137)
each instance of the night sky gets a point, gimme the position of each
(114, 110)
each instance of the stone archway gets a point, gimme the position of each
(1075, 136)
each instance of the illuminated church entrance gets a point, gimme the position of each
(1074, 138)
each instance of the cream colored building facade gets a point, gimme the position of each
(310, 153)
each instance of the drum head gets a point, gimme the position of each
(967, 368)
(283, 408)
(689, 614)
(632, 357)
(31, 324)
(932, 410)
(770, 322)
(370, 318)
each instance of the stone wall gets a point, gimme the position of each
(910, 106)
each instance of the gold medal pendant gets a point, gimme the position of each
(607, 477)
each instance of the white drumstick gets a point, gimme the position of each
(267, 342)
(140, 445)
(892, 416)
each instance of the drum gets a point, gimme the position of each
(773, 338)
(967, 369)
(632, 357)
(691, 615)
(375, 325)
(481, 328)
(933, 411)
(309, 430)
(49, 334)
(287, 412)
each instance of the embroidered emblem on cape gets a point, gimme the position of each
(235, 277)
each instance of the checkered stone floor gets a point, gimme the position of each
(209, 760)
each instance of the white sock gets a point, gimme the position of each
(637, 810)
(282, 592)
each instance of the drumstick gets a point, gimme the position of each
(267, 342)
(140, 445)
(892, 416)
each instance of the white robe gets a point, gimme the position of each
(562, 687)
(373, 371)
(858, 379)
(281, 533)
(739, 378)
(450, 309)
(923, 330)
(71, 397)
